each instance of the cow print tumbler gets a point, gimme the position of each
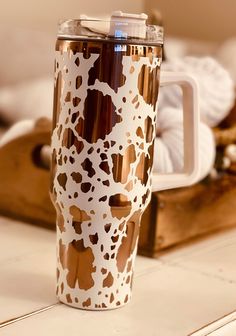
(106, 90)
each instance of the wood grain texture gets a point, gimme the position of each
(24, 183)
(186, 213)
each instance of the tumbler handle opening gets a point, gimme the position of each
(191, 119)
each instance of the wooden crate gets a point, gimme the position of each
(175, 216)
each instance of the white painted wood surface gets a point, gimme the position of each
(179, 294)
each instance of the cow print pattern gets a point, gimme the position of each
(98, 202)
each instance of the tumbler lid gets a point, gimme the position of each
(119, 26)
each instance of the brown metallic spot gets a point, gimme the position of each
(91, 149)
(118, 303)
(115, 238)
(104, 270)
(65, 158)
(90, 199)
(59, 131)
(149, 129)
(68, 298)
(121, 164)
(87, 303)
(104, 216)
(120, 205)
(129, 186)
(103, 156)
(76, 195)
(145, 196)
(139, 133)
(78, 82)
(126, 298)
(76, 300)
(128, 242)
(77, 61)
(141, 146)
(107, 227)
(131, 69)
(128, 279)
(148, 83)
(79, 262)
(124, 99)
(76, 101)
(103, 305)
(88, 167)
(85, 187)
(62, 287)
(137, 105)
(97, 108)
(62, 179)
(71, 159)
(102, 199)
(113, 247)
(79, 215)
(106, 256)
(112, 298)
(101, 248)
(107, 183)
(68, 97)
(112, 143)
(74, 117)
(57, 290)
(105, 167)
(108, 281)
(135, 99)
(77, 227)
(76, 176)
(142, 169)
(106, 144)
(113, 256)
(94, 238)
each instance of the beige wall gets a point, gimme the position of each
(203, 19)
(44, 14)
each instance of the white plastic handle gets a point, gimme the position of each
(191, 134)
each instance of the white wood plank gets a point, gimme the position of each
(18, 239)
(27, 285)
(221, 326)
(168, 301)
(227, 330)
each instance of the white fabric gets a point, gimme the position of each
(169, 145)
(216, 88)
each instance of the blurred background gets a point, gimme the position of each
(203, 29)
